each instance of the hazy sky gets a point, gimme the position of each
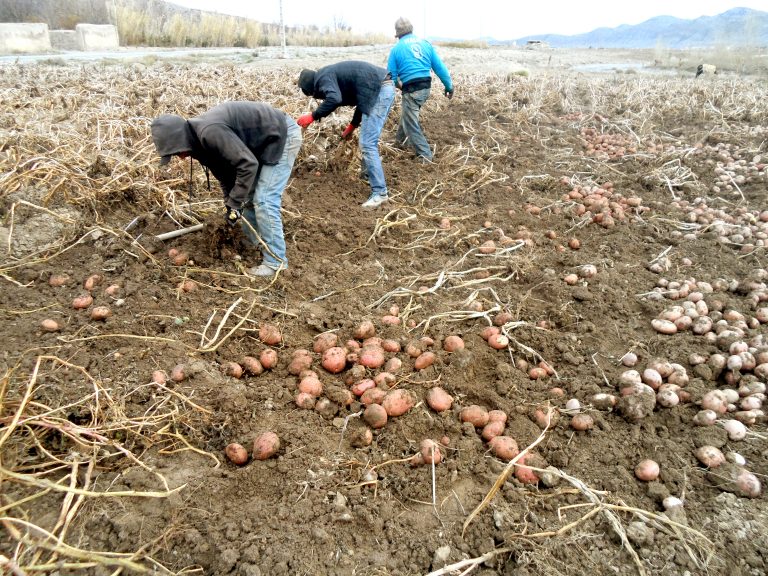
(467, 19)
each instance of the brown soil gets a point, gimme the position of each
(328, 503)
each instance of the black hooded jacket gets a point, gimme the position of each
(231, 139)
(350, 83)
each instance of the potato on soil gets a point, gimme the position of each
(375, 416)
(503, 447)
(475, 414)
(311, 385)
(498, 341)
(425, 360)
(232, 369)
(268, 358)
(301, 360)
(492, 429)
(398, 402)
(430, 452)
(50, 325)
(372, 356)
(372, 396)
(366, 329)
(497, 416)
(334, 359)
(453, 343)
(439, 400)
(58, 280)
(270, 334)
(527, 475)
(359, 388)
(252, 365)
(179, 373)
(82, 302)
(100, 313)
(324, 341)
(159, 377)
(91, 282)
(236, 453)
(265, 445)
(305, 401)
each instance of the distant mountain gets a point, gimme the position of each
(736, 27)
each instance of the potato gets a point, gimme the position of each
(82, 302)
(475, 414)
(187, 285)
(366, 329)
(502, 318)
(398, 402)
(355, 374)
(268, 358)
(523, 473)
(424, 360)
(100, 313)
(503, 447)
(352, 346)
(311, 385)
(497, 416)
(50, 325)
(232, 369)
(91, 282)
(324, 341)
(112, 290)
(372, 356)
(58, 280)
(372, 396)
(389, 320)
(305, 401)
(430, 452)
(393, 365)
(453, 343)
(375, 416)
(582, 422)
(270, 334)
(334, 359)
(392, 346)
(647, 470)
(180, 258)
(159, 377)
(413, 349)
(359, 388)
(439, 400)
(178, 374)
(252, 365)
(372, 341)
(301, 361)
(492, 429)
(498, 341)
(236, 453)
(265, 445)
(489, 331)
(385, 379)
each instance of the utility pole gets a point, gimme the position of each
(282, 32)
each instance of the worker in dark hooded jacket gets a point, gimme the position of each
(370, 90)
(250, 148)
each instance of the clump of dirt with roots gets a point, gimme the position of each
(597, 243)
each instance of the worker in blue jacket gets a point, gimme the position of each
(410, 64)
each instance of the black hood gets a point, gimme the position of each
(307, 82)
(171, 135)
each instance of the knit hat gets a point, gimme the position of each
(307, 82)
(403, 26)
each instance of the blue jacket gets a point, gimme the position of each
(413, 58)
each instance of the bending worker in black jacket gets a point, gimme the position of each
(370, 90)
(250, 148)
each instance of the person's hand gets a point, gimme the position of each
(348, 131)
(232, 216)
(305, 120)
(449, 93)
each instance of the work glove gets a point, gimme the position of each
(449, 93)
(305, 120)
(348, 131)
(232, 216)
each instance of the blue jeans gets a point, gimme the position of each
(263, 210)
(409, 129)
(370, 131)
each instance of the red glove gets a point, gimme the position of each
(305, 120)
(348, 131)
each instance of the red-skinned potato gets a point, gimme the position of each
(525, 474)
(232, 369)
(179, 373)
(236, 453)
(647, 470)
(498, 341)
(334, 359)
(453, 343)
(424, 360)
(359, 388)
(159, 377)
(439, 400)
(398, 402)
(58, 280)
(489, 331)
(492, 429)
(375, 416)
(112, 290)
(503, 447)
(252, 365)
(324, 341)
(385, 379)
(268, 358)
(366, 329)
(100, 313)
(372, 356)
(305, 401)
(91, 282)
(413, 349)
(502, 318)
(475, 414)
(393, 365)
(50, 325)
(180, 258)
(372, 396)
(265, 445)
(82, 302)
(301, 361)
(311, 385)
(270, 334)
(430, 452)
(392, 346)
(497, 416)
(389, 320)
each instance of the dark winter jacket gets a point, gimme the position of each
(231, 139)
(349, 83)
